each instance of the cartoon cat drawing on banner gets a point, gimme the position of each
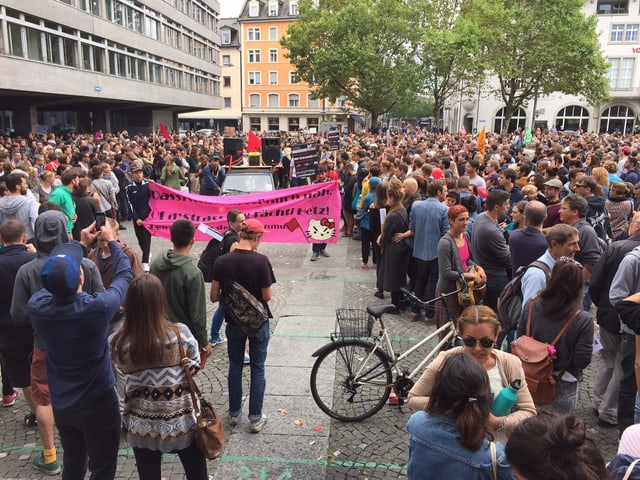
(321, 230)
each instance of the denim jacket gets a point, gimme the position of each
(435, 453)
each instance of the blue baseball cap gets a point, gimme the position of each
(60, 274)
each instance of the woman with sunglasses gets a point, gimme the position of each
(478, 326)
(551, 309)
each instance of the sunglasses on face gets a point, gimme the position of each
(472, 342)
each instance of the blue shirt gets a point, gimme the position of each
(75, 330)
(428, 221)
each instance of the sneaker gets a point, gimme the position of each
(314, 256)
(146, 267)
(257, 425)
(9, 400)
(234, 419)
(247, 358)
(218, 340)
(52, 468)
(324, 253)
(30, 420)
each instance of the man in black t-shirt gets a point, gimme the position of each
(254, 272)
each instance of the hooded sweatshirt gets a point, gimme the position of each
(598, 217)
(186, 296)
(19, 207)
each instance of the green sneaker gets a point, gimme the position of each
(52, 468)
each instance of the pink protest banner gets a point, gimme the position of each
(308, 214)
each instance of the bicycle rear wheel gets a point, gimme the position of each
(350, 381)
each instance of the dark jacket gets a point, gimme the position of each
(598, 216)
(138, 197)
(12, 258)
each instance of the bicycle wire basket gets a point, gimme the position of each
(353, 323)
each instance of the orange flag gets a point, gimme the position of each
(482, 140)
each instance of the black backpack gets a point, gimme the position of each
(209, 255)
(510, 299)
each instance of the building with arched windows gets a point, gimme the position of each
(618, 27)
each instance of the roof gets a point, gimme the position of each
(263, 12)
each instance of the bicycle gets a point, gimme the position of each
(352, 377)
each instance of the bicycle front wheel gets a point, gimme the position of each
(351, 380)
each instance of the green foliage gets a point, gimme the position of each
(412, 108)
(361, 50)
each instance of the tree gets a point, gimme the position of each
(416, 108)
(362, 50)
(537, 47)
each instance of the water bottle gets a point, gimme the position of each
(506, 399)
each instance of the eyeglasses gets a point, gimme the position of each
(472, 342)
(580, 185)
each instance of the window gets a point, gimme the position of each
(621, 72)
(273, 78)
(151, 27)
(227, 102)
(255, 123)
(617, 119)
(90, 6)
(15, 40)
(608, 7)
(274, 101)
(226, 82)
(225, 36)
(273, 34)
(254, 56)
(254, 100)
(312, 101)
(273, 11)
(294, 124)
(273, 123)
(273, 55)
(517, 121)
(254, 8)
(293, 9)
(293, 77)
(294, 100)
(254, 78)
(253, 33)
(312, 123)
(572, 118)
(624, 33)
(226, 60)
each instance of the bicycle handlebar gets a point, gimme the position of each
(423, 303)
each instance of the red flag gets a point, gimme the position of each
(165, 133)
(254, 144)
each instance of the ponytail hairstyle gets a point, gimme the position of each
(555, 446)
(461, 390)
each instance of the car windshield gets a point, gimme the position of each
(248, 182)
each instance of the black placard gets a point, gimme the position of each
(306, 159)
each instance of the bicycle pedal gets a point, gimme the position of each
(393, 399)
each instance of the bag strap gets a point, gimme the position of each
(629, 471)
(494, 460)
(566, 327)
(528, 332)
(187, 370)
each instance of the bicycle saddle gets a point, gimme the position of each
(378, 310)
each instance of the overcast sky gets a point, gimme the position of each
(230, 8)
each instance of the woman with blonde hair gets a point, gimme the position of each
(601, 176)
(45, 186)
(478, 327)
(171, 175)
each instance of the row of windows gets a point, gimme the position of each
(136, 17)
(609, 7)
(80, 50)
(621, 32)
(273, 123)
(255, 78)
(272, 8)
(255, 55)
(273, 100)
(254, 35)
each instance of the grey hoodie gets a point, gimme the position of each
(19, 207)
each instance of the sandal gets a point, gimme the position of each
(30, 420)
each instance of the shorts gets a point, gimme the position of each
(16, 346)
(39, 386)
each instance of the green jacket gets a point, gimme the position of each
(186, 296)
(62, 196)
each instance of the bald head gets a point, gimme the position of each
(535, 213)
(410, 186)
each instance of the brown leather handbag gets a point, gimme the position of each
(209, 429)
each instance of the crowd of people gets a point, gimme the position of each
(430, 210)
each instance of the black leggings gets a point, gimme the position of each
(366, 236)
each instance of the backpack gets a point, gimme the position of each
(209, 255)
(537, 361)
(510, 299)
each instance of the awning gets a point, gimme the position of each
(357, 119)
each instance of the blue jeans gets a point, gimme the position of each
(216, 324)
(258, 343)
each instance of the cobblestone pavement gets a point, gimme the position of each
(375, 448)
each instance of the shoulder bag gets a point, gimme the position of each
(209, 428)
(243, 308)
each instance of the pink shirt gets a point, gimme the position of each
(464, 253)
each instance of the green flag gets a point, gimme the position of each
(527, 136)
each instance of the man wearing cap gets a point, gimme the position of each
(74, 327)
(254, 272)
(552, 189)
(138, 197)
(212, 177)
